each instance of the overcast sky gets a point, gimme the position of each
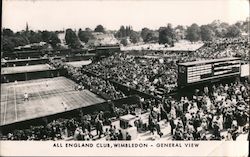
(62, 14)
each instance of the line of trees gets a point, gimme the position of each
(127, 32)
(216, 29)
(10, 40)
(71, 39)
(164, 35)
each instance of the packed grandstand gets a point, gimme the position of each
(158, 110)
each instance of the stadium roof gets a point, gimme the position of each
(208, 61)
(26, 59)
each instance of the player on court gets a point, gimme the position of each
(26, 96)
(65, 106)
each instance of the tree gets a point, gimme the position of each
(124, 41)
(54, 40)
(88, 29)
(151, 36)
(128, 30)
(84, 36)
(71, 39)
(245, 25)
(180, 32)
(20, 39)
(35, 37)
(50, 37)
(121, 32)
(167, 35)
(233, 31)
(193, 33)
(7, 44)
(99, 28)
(220, 32)
(219, 28)
(134, 37)
(10, 40)
(46, 36)
(144, 33)
(7, 32)
(239, 24)
(207, 33)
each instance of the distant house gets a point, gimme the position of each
(244, 34)
(34, 50)
(33, 46)
(101, 39)
(61, 37)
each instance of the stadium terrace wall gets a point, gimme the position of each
(79, 57)
(128, 90)
(25, 54)
(23, 62)
(42, 52)
(68, 52)
(105, 51)
(106, 107)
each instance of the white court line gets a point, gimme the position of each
(63, 96)
(40, 97)
(5, 106)
(15, 101)
(63, 100)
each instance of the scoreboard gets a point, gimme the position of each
(199, 71)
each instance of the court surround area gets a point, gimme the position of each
(46, 97)
(79, 64)
(23, 69)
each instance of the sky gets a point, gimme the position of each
(62, 14)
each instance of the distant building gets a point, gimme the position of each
(101, 39)
(103, 45)
(33, 46)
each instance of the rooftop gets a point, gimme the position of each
(208, 61)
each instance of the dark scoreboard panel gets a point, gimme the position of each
(199, 71)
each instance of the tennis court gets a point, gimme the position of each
(46, 97)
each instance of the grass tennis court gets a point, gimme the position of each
(45, 98)
(23, 69)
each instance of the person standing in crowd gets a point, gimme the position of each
(172, 125)
(128, 136)
(120, 136)
(99, 128)
(241, 118)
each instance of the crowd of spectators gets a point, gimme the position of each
(144, 74)
(220, 113)
(95, 84)
(159, 75)
(81, 126)
(225, 47)
(217, 113)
